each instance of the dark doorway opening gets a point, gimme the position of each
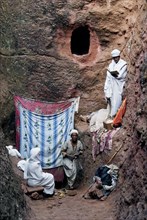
(80, 41)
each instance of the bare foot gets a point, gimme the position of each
(103, 198)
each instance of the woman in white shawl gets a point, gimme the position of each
(115, 81)
(35, 176)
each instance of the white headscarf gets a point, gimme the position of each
(34, 157)
(73, 131)
(35, 154)
(115, 53)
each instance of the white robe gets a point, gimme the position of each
(36, 177)
(113, 87)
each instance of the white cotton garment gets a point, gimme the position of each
(13, 152)
(35, 176)
(97, 118)
(115, 53)
(113, 87)
(21, 165)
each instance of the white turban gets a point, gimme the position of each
(73, 131)
(115, 53)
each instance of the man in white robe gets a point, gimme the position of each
(115, 80)
(35, 176)
(71, 151)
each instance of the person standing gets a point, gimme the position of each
(115, 80)
(71, 151)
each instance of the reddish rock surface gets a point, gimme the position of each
(37, 62)
(36, 48)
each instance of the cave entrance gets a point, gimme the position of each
(80, 41)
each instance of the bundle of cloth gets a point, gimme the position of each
(104, 182)
(13, 152)
(97, 118)
(101, 137)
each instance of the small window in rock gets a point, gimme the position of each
(80, 41)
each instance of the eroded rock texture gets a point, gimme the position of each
(41, 58)
(133, 198)
(43, 48)
(12, 202)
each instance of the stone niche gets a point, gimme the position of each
(80, 44)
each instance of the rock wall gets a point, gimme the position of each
(132, 201)
(36, 48)
(12, 202)
(40, 59)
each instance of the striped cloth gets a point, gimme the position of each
(47, 131)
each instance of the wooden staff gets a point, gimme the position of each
(114, 154)
(87, 190)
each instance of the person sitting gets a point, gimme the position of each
(71, 151)
(104, 182)
(35, 176)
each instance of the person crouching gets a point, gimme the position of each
(104, 182)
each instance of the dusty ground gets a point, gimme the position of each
(64, 206)
(72, 208)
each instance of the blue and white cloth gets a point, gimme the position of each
(49, 132)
